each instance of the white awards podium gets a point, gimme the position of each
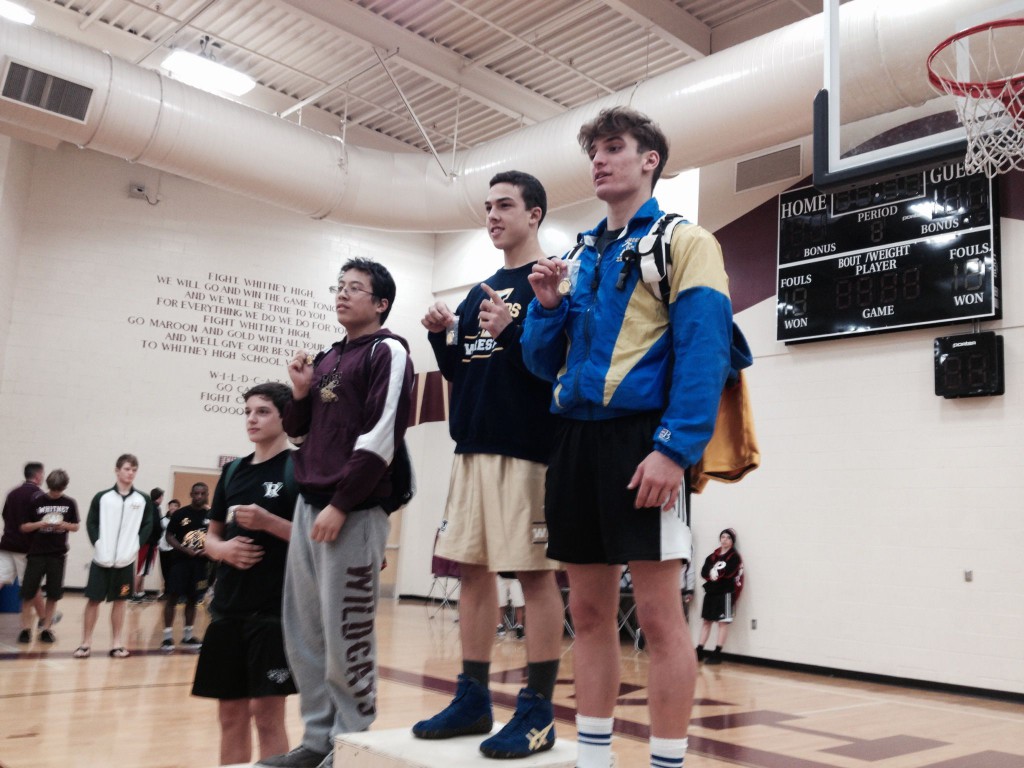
(398, 748)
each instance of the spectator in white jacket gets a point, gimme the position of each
(118, 523)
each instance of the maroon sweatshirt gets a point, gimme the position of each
(349, 425)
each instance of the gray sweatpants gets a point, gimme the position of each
(330, 601)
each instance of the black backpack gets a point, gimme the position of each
(403, 480)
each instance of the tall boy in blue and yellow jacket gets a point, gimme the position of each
(637, 382)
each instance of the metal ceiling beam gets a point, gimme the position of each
(518, 42)
(67, 22)
(429, 59)
(765, 18)
(668, 21)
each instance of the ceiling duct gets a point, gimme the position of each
(769, 168)
(45, 91)
(735, 102)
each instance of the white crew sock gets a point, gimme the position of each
(594, 737)
(667, 753)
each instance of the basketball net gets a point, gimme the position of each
(983, 69)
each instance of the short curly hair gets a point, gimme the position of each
(616, 120)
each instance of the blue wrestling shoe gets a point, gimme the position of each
(531, 729)
(469, 713)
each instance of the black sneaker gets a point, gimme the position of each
(167, 645)
(46, 636)
(192, 643)
(500, 631)
(300, 757)
(520, 631)
(25, 636)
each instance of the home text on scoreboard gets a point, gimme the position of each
(917, 250)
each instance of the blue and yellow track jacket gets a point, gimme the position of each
(614, 351)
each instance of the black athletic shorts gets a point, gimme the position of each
(38, 566)
(589, 509)
(717, 608)
(109, 584)
(243, 658)
(188, 578)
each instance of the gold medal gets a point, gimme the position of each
(564, 286)
(328, 384)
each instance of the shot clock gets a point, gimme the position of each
(969, 365)
(917, 250)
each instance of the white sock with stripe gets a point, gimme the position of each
(668, 753)
(594, 737)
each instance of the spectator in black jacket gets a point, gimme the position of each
(723, 581)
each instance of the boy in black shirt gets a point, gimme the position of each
(494, 516)
(243, 662)
(54, 516)
(190, 569)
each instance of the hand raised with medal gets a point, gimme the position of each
(252, 517)
(300, 371)
(494, 314)
(545, 278)
(438, 317)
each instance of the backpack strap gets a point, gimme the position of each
(290, 486)
(574, 252)
(654, 254)
(403, 476)
(232, 468)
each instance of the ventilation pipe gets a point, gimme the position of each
(754, 95)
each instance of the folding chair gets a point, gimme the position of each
(446, 575)
(446, 583)
(627, 608)
(563, 585)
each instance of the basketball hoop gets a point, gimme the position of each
(983, 68)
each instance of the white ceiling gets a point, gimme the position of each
(407, 74)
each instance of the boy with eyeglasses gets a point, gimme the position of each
(348, 414)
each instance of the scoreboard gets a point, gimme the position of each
(917, 250)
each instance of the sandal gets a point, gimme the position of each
(119, 653)
(81, 652)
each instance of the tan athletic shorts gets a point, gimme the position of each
(495, 514)
(12, 565)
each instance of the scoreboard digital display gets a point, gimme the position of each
(917, 250)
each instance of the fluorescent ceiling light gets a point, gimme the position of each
(15, 12)
(207, 74)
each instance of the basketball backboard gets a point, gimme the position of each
(859, 136)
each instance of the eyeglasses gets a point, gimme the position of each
(348, 290)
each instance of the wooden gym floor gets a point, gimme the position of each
(138, 713)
